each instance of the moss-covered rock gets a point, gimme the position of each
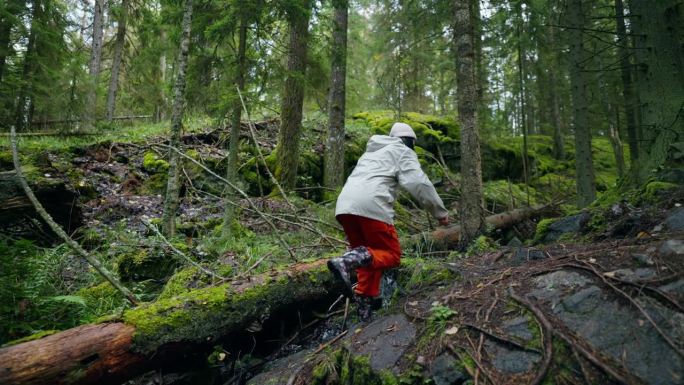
(153, 164)
(144, 263)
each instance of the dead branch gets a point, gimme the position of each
(276, 233)
(180, 253)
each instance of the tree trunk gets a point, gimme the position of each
(658, 28)
(523, 105)
(116, 63)
(234, 142)
(449, 237)
(629, 98)
(558, 145)
(287, 151)
(334, 151)
(165, 329)
(173, 184)
(472, 202)
(94, 66)
(586, 188)
(21, 115)
(8, 12)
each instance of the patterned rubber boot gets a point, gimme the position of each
(342, 266)
(364, 308)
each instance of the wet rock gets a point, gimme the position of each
(279, 371)
(634, 275)
(518, 327)
(510, 361)
(524, 254)
(385, 340)
(674, 287)
(643, 259)
(571, 224)
(675, 221)
(514, 242)
(552, 285)
(623, 333)
(672, 247)
(445, 370)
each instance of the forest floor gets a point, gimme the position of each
(594, 296)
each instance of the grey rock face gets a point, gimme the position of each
(510, 361)
(672, 247)
(445, 371)
(385, 340)
(571, 224)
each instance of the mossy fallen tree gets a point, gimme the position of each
(162, 330)
(450, 236)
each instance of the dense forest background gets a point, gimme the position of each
(177, 139)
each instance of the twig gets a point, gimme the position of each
(94, 262)
(501, 339)
(346, 313)
(325, 345)
(241, 192)
(180, 253)
(545, 328)
(261, 156)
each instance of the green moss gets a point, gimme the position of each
(32, 337)
(542, 229)
(343, 368)
(152, 163)
(501, 194)
(416, 272)
(100, 300)
(206, 313)
(141, 264)
(154, 185)
(481, 245)
(655, 190)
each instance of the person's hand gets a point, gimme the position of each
(444, 221)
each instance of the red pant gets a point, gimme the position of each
(381, 240)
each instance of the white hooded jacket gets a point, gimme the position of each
(370, 190)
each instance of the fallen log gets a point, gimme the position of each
(149, 334)
(446, 237)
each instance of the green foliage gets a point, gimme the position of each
(37, 289)
(542, 229)
(152, 163)
(481, 245)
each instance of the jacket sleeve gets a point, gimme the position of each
(412, 178)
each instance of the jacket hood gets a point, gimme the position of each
(376, 142)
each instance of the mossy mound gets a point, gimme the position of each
(144, 263)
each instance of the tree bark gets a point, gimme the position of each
(10, 10)
(558, 145)
(21, 115)
(171, 201)
(449, 237)
(94, 66)
(334, 151)
(234, 142)
(628, 96)
(586, 188)
(287, 150)
(163, 330)
(116, 62)
(472, 202)
(658, 28)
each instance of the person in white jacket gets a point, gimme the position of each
(365, 210)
